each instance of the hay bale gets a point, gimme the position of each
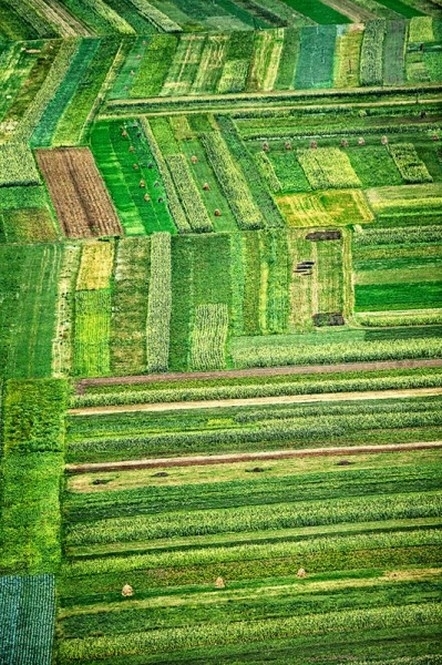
(301, 573)
(127, 591)
(219, 583)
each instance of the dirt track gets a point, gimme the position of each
(260, 371)
(247, 457)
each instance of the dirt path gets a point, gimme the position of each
(247, 457)
(277, 400)
(260, 371)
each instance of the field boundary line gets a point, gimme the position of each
(259, 371)
(151, 463)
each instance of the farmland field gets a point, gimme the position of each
(220, 332)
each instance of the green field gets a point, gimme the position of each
(220, 332)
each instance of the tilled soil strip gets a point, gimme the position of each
(260, 371)
(277, 400)
(247, 457)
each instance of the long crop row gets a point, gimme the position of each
(233, 388)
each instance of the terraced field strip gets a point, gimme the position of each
(249, 457)
(83, 384)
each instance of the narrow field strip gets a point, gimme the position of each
(259, 371)
(258, 401)
(308, 586)
(227, 459)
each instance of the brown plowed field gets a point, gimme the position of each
(83, 206)
(247, 457)
(259, 371)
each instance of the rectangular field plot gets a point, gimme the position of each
(222, 580)
(326, 208)
(421, 203)
(28, 295)
(328, 168)
(83, 206)
(398, 274)
(27, 611)
(315, 62)
(132, 177)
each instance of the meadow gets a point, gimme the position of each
(220, 332)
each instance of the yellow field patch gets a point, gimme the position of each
(96, 266)
(330, 208)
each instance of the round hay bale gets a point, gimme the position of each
(219, 583)
(127, 591)
(301, 573)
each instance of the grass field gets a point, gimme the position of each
(220, 332)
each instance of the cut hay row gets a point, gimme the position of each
(184, 66)
(422, 199)
(266, 59)
(82, 203)
(210, 65)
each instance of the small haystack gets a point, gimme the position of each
(301, 573)
(219, 583)
(127, 591)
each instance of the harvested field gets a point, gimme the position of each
(81, 201)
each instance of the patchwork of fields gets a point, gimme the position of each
(220, 332)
